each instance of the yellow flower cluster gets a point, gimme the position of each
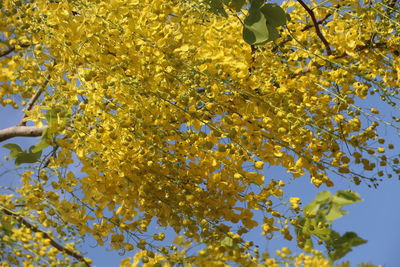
(174, 117)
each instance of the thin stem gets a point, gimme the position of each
(35, 229)
(316, 26)
(7, 51)
(32, 101)
(11, 49)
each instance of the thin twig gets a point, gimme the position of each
(309, 26)
(392, 4)
(7, 51)
(34, 98)
(316, 26)
(35, 229)
(302, 30)
(11, 49)
(53, 154)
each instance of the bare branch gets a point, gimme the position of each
(10, 49)
(316, 26)
(19, 131)
(391, 7)
(318, 22)
(7, 51)
(32, 101)
(35, 229)
(302, 30)
(392, 4)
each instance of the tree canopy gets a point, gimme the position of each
(169, 113)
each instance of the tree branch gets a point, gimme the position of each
(318, 22)
(390, 8)
(316, 26)
(392, 4)
(7, 51)
(11, 49)
(302, 30)
(32, 101)
(19, 131)
(35, 229)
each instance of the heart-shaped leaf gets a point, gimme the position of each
(27, 157)
(346, 197)
(255, 30)
(14, 149)
(261, 22)
(237, 4)
(335, 212)
(275, 15)
(217, 7)
(343, 245)
(273, 33)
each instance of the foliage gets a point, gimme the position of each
(22, 156)
(260, 25)
(173, 111)
(318, 216)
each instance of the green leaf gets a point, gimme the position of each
(322, 198)
(217, 7)
(39, 146)
(335, 212)
(323, 233)
(273, 33)
(51, 115)
(227, 241)
(56, 113)
(275, 15)
(14, 149)
(341, 198)
(6, 226)
(343, 245)
(308, 245)
(255, 30)
(27, 157)
(256, 4)
(328, 207)
(238, 4)
(346, 197)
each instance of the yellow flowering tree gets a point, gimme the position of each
(174, 110)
